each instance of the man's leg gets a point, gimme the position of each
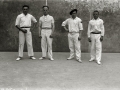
(98, 48)
(77, 47)
(49, 44)
(92, 51)
(21, 43)
(43, 43)
(29, 44)
(71, 46)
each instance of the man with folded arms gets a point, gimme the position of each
(95, 37)
(23, 24)
(46, 29)
(75, 28)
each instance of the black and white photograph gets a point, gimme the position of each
(59, 44)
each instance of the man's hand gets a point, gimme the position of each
(79, 38)
(40, 36)
(31, 29)
(51, 36)
(101, 38)
(24, 30)
(66, 29)
(89, 39)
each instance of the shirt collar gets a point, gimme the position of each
(46, 15)
(96, 19)
(24, 14)
(73, 19)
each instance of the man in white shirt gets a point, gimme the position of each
(23, 24)
(75, 28)
(46, 29)
(95, 37)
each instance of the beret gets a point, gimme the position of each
(73, 11)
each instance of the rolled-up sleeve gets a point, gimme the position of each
(33, 19)
(89, 27)
(17, 20)
(65, 23)
(52, 20)
(80, 25)
(102, 29)
(40, 21)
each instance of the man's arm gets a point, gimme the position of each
(65, 28)
(40, 28)
(17, 23)
(64, 25)
(80, 33)
(88, 32)
(53, 26)
(34, 22)
(80, 29)
(102, 31)
(20, 29)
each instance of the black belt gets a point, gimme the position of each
(25, 27)
(96, 32)
(73, 32)
(46, 28)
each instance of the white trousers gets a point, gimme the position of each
(28, 37)
(46, 42)
(74, 45)
(96, 47)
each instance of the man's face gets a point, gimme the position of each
(25, 10)
(45, 10)
(95, 15)
(74, 14)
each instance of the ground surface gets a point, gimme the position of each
(60, 74)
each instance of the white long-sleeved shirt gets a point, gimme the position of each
(96, 26)
(74, 25)
(25, 20)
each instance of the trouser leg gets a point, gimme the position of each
(71, 45)
(92, 51)
(49, 43)
(98, 47)
(43, 43)
(77, 46)
(29, 43)
(21, 43)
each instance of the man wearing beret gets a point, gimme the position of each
(95, 37)
(75, 28)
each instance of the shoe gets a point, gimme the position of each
(51, 59)
(79, 60)
(70, 58)
(19, 58)
(98, 62)
(33, 58)
(41, 58)
(91, 60)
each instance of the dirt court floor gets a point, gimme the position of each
(60, 74)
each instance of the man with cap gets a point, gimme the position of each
(75, 28)
(23, 24)
(95, 37)
(46, 29)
